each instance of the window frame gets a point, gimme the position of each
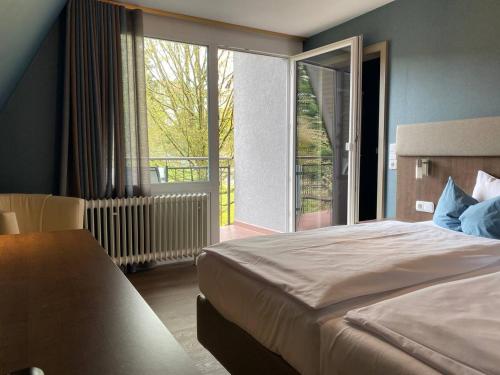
(213, 38)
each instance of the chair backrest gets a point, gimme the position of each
(44, 213)
(155, 175)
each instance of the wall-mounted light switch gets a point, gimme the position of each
(423, 206)
(393, 160)
(392, 151)
(392, 148)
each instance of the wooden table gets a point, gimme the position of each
(67, 309)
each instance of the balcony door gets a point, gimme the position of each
(325, 104)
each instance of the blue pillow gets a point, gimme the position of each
(482, 219)
(452, 203)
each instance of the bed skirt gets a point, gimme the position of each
(235, 349)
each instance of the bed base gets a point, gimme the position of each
(235, 349)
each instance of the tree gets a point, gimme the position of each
(177, 101)
(177, 107)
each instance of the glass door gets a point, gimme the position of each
(325, 137)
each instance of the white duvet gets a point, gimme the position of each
(331, 265)
(453, 327)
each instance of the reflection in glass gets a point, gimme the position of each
(322, 121)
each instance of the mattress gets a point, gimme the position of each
(349, 350)
(279, 321)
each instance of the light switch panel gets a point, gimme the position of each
(392, 148)
(423, 206)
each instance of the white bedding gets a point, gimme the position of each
(454, 327)
(279, 321)
(331, 265)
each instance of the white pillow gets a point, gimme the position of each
(486, 187)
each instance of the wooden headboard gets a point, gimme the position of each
(455, 148)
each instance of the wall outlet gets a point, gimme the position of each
(393, 164)
(423, 206)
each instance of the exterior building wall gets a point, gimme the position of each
(261, 140)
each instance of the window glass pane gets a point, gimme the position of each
(177, 106)
(322, 130)
(226, 136)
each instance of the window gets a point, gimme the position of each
(177, 107)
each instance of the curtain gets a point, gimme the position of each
(104, 134)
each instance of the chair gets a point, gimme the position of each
(155, 175)
(40, 213)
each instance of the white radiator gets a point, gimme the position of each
(142, 229)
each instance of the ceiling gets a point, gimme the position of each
(25, 23)
(295, 17)
(23, 26)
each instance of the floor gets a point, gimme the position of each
(171, 292)
(314, 220)
(235, 231)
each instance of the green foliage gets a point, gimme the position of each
(177, 107)
(177, 99)
(312, 137)
(315, 169)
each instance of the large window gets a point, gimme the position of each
(177, 106)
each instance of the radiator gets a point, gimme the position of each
(142, 229)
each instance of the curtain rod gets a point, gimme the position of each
(205, 21)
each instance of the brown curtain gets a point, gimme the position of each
(104, 137)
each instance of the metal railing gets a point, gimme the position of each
(195, 169)
(314, 180)
(313, 183)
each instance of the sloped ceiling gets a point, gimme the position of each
(25, 23)
(23, 26)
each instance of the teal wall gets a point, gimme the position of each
(444, 61)
(30, 122)
(23, 26)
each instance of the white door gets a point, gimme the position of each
(325, 136)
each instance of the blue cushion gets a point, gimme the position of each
(452, 203)
(482, 219)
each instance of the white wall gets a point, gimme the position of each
(261, 140)
(191, 32)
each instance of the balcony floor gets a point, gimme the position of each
(235, 231)
(314, 220)
(306, 221)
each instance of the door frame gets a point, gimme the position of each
(381, 50)
(353, 146)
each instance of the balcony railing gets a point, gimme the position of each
(195, 169)
(314, 180)
(313, 183)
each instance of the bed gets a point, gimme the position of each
(260, 314)
(454, 327)
(275, 297)
(349, 345)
